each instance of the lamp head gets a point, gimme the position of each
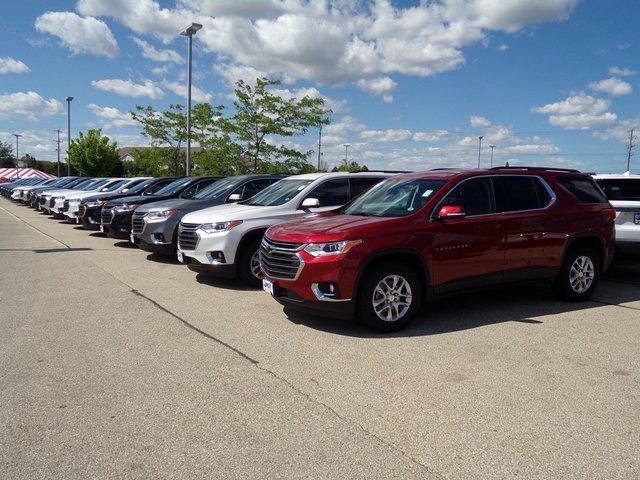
(191, 30)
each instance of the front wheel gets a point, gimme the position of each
(249, 268)
(390, 296)
(579, 275)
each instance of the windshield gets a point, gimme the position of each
(279, 193)
(217, 189)
(394, 198)
(140, 186)
(621, 190)
(110, 187)
(96, 184)
(85, 182)
(174, 187)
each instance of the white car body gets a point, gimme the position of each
(62, 192)
(75, 198)
(254, 219)
(627, 208)
(20, 193)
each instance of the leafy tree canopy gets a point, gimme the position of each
(94, 155)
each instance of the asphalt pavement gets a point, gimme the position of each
(116, 363)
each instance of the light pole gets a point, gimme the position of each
(479, 148)
(69, 135)
(17, 135)
(189, 32)
(492, 147)
(346, 154)
(58, 150)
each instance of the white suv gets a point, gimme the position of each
(623, 192)
(225, 239)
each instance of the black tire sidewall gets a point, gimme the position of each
(563, 284)
(245, 273)
(364, 309)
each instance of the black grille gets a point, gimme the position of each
(81, 209)
(107, 215)
(42, 200)
(187, 236)
(279, 259)
(65, 206)
(137, 223)
(52, 202)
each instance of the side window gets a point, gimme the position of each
(516, 193)
(360, 185)
(544, 196)
(332, 193)
(196, 187)
(584, 189)
(131, 185)
(250, 189)
(158, 186)
(475, 196)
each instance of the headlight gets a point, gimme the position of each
(331, 248)
(96, 203)
(219, 227)
(159, 215)
(74, 200)
(126, 208)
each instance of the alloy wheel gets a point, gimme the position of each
(581, 274)
(254, 265)
(391, 298)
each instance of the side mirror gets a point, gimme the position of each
(310, 203)
(451, 211)
(234, 197)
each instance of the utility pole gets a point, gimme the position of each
(17, 135)
(320, 148)
(189, 32)
(346, 154)
(58, 150)
(492, 147)
(630, 149)
(69, 99)
(479, 148)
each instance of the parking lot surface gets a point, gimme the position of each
(115, 363)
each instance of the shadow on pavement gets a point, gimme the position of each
(226, 283)
(156, 257)
(125, 244)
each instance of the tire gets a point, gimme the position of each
(245, 267)
(370, 293)
(573, 283)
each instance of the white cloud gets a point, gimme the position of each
(512, 15)
(579, 112)
(114, 117)
(127, 88)
(232, 73)
(79, 34)
(429, 136)
(503, 47)
(382, 86)
(613, 86)
(479, 122)
(180, 89)
(620, 131)
(393, 135)
(29, 105)
(152, 53)
(622, 72)
(163, 70)
(11, 65)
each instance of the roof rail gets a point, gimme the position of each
(444, 169)
(549, 169)
(385, 171)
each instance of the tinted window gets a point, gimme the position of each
(475, 196)
(359, 185)
(156, 187)
(196, 187)
(584, 189)
(514, 194)
(279, 193)
(544, 196)
(251, 188)
(113, 186)
(621, 189)
(332, 192)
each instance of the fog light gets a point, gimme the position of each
(328, 289)
(158, 238)
(217, 257)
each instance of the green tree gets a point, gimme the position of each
(155, 162)
(28, 160)
(262, 118)
(93, 155)
(7, 158)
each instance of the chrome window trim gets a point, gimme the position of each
(554, 197)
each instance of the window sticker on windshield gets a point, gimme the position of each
(427, 193)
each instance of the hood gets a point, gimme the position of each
(328, 227)
(230, 212)
(139, 199)
(184, 205)
(79, 194)
(56, 192)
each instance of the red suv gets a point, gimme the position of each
(422, 235)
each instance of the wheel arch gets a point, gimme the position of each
(249, 236)
(591, 240)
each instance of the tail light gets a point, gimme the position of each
(609, 213)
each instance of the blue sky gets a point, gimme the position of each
(412, 84)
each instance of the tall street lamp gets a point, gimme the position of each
(69, 135)
(17, 135)
(492, 147)
(189, 32)
(479, 148)
(346, 154)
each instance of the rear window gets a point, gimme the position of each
(621, 189)
(520, 193)
(584, 189)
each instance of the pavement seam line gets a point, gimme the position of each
(35, 228)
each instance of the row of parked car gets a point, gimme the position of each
(370, 245)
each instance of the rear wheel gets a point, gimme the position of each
(390, 296)
(579, 275)
(249, 268)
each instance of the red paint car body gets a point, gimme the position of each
(447, 250)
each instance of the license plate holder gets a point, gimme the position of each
(267, 286)
(636, 218)
(180, 256)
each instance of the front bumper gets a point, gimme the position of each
(213, 269)
(156, 237)
(91, 218)
(120, 225)
(166, 249)
(225, 243)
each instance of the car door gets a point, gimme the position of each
(468, 251)
(532, 242)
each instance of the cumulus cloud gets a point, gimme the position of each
(579, 112)
(613, 86)
(503, 47)
(622, 72)
(113, 117)
(29, 105)
(79, 34)
(393, 135)
(152, 53)
(180, 89)
(11, 65)
(381, 86)
(128, 88)
(479, 122)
